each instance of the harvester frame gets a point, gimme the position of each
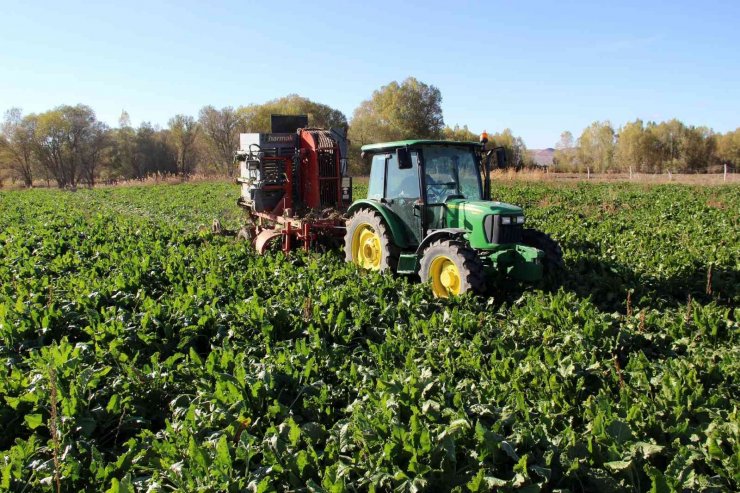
(294, 185)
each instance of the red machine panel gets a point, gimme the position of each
(321, 178)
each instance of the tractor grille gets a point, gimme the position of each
(511, 233)
(502, 233)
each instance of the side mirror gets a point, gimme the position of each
(500, 157)
(404, 158)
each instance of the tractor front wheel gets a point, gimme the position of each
(453, 269)
(368, 243)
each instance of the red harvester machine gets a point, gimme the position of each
(294, 185)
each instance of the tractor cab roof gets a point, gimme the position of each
(414, 142)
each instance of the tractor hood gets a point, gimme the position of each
(471, 215)
(479, 208)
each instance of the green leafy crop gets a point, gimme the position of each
(142, 353)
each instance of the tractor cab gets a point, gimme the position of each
(419, 193)
(428, 212)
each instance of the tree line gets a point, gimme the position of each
(650, 147)
(69, 146)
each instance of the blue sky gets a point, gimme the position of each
(536, 67)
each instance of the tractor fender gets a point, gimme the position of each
(439, 234)
(391, 219)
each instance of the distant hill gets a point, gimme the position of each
(542, 157)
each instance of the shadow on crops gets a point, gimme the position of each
(607, 283)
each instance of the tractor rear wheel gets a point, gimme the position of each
(543, 241)
(368, 243)
(453, 269)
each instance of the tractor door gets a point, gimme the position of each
(402, 194)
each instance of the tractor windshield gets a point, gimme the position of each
(451, 171)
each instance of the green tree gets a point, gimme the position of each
(123, 161)
(565, 152)
(667, 138)
(51, 148)
(516, 150)
(681, 148)
(256, 117)
(632, 149)
(66, 138)
(93, 151)
(17, 135)
(183, 131)
(728, 148)
(596, 147)
(154, 151)
(698, 149)
(221, 131)
(410, 110)
(460, 134)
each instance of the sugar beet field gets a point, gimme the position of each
(142, 353)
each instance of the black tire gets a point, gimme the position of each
(542, 241)
(466, 261)
(366, 219)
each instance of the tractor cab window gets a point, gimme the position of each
(377, 177)
(451, 172)
(402, 183)
(390, 182)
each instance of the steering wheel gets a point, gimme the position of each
(439, 191)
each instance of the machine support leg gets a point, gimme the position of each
(288, 234)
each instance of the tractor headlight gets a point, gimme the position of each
(505, 220)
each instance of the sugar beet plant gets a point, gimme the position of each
(142, 353)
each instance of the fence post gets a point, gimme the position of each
(725, 174)
(588, 173)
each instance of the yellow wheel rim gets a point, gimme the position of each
(366, 249)
(445, 277)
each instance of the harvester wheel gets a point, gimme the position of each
(453, 269)
(544, 242)
(368, 242)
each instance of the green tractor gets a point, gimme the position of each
(429, 213)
